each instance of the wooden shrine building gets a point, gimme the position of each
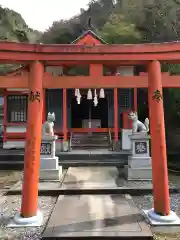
(72, 117)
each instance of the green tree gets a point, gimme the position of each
(14, 28)
(63, 31)
(117, 30)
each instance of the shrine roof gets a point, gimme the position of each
(89, 32)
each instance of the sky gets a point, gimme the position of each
(40, 14)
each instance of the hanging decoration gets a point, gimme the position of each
(78, 96)
(95, 98)
(89, 95)
(78, 99)
(118, 73)
(102, 94)
(76, 92)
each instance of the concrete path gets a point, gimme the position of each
(96, 216)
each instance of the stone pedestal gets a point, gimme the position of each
(49, 166)
(126, 142)
(139, 163)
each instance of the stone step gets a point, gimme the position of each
(85, 142)
(70, 163)
(90, 147)
(94, 133)
(88, 163)
(90, 138)
(14, 159)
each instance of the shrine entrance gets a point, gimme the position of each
(89, 52)
(86, 115)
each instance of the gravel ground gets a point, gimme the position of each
(8, 178)
(146, 202)
(12, 204)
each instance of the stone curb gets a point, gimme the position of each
(100, 191)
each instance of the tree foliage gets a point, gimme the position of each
(14, 28)
(156, 21)
(116, 30)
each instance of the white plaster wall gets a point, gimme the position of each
(126, 70)
(55, 70)
(16, 129)
(17, 89)
(14, 144)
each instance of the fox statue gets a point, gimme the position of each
(138, 126)
(48, 126)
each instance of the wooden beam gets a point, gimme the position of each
(104, 48)
(13, 52)
(85, 63)
(101, 58)
(14, 81)
(106, 81)
(51, 82)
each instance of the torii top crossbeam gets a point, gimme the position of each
(49, 53)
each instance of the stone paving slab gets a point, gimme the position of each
(98, 178)
(90, 177)
(96, 216)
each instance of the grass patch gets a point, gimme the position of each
(166, 236)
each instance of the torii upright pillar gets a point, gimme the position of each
(30, 216)
(161, 212)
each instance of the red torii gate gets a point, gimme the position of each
(39, 55)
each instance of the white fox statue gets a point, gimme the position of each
(138, 126)
(48, 126)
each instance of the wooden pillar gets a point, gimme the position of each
(65, 134)
(135, 100)
(5, 115)
(95, 70)
(158, 141)
(115, 114)
(33, 141)
(44, 106)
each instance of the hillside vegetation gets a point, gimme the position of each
(14, 28)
